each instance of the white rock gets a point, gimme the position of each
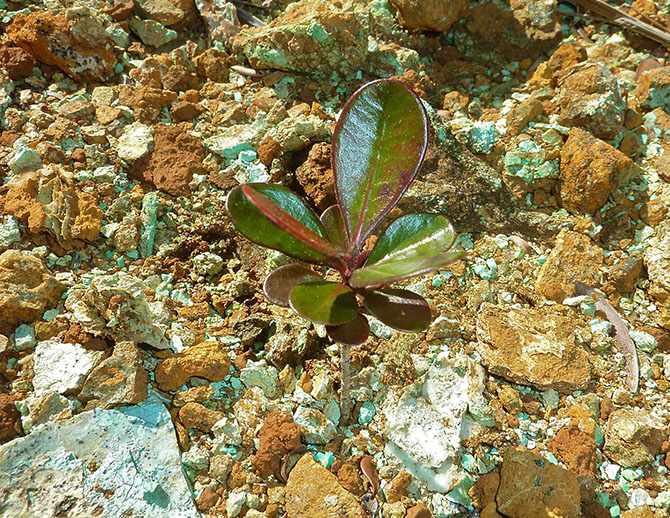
(9, 232)
(260, 374)
(227, 432)
(316, 428)
(106, 463)
(207, 263)
(235, 503)
(136, 141)
(62, 367)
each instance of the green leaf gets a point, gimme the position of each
(354, 332)
(276, 217)
(280, 282)
(412, 245)
(403, 310)
(379, 144)
(324, 302)
(392, 271)
(332, 221)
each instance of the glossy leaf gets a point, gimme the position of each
(276, 217)
(379, 144)
(280, 282)
(354, 332)
(332, 221)
(324, 302)
(403, 310)
(386, 272)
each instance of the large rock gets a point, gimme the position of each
(314, 491)
(657, 260)
(591, 98)
(62, 367)
(533, 347)
(77, 44)
(100, 463)
(17, 62)
(633, 437)
(576, 449)
(116, 307)
(653, 89)
(590, 170)
(533, 487)
(207, 360)
(430, 15)
(27, 290)
(573, 258)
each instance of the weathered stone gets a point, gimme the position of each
(16, 61)
(220, 19)
(653, 89)
(644, 511)
(431, 15)
(315, 176)
(163, 11)
(591, 98)
(418, 511)
(633, 437)
(62, 367)
(657, 261)
(27, 290)
(573, 258)
(314, 491)
(115, 306)
(194, 415)
(77, 44)
(576, 449)
(553, 70)
(590, 170)
(119, 380)
(136, 141)
(278, 436)
(151, 32)
(483, 492)
(533, 487)
(532, 347)
(205, 360)
(315, 426)
(10, 419)
(133, 470)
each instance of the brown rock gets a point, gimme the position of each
(207, 499)
(349, 479)
(574, 258)
(576, 449)
(205, 360)
(196, 416)
(313, 491)
(624, 274)
(316, 177)
(519, 116)
(418, 511)
(639, 512)
(653, 89)
(483, 492)
(564, 57)
(185, 111)
(17, 62)
(595, 510)
(590, 170)
(398, 487)
(193, 395)
(10, 418)
(490, 511)
(213, 65)
(119, 380)
(120, 10)
(533, 487)
(532, 347)
(268, 150)
(78, 46)
(147, 102)
(430, 15)
(176, 157)
(633, 437)
(278, 436)
(27, 290)
(590, 97)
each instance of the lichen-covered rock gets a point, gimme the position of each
(633, 437)
(657, 260)
(590, 97)
(206, 360)
(151, 32)
(574, 258)
(590, 170)
(115, 306)
(314, 491)
(134, 468)
(50, 202)
(77, 44)
(62, 367)
(532, 347)
(118, 380)
(529, 167)
(278, 436)
(533, 487)
(27, 290)
(653, 89)
(430, 15)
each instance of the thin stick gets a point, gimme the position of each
(345, 388)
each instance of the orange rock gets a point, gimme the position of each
(10, 419)
(576, 449)
(16, 61)
(195, 415)
(431, 15)
(483, 492)
(79, 47)
(316, 177)
(206, 360)
(398, 487)
(350, 479)
(519, 116)
(278, 436)
(653, 88)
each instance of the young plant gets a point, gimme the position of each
(378, 146)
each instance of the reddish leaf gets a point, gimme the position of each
(354, 332)
(280, 282)
(400, 309)
(332, 221)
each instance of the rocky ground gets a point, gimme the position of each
(142, 372)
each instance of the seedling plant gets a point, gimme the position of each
(378, 146)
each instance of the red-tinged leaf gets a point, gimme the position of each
(386, 272)
(379, 144)
(324, 302)
(332, 221)
(276, 217)
(403, 310)
(354, 332)
(280, 282)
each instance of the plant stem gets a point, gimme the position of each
(345, 387)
